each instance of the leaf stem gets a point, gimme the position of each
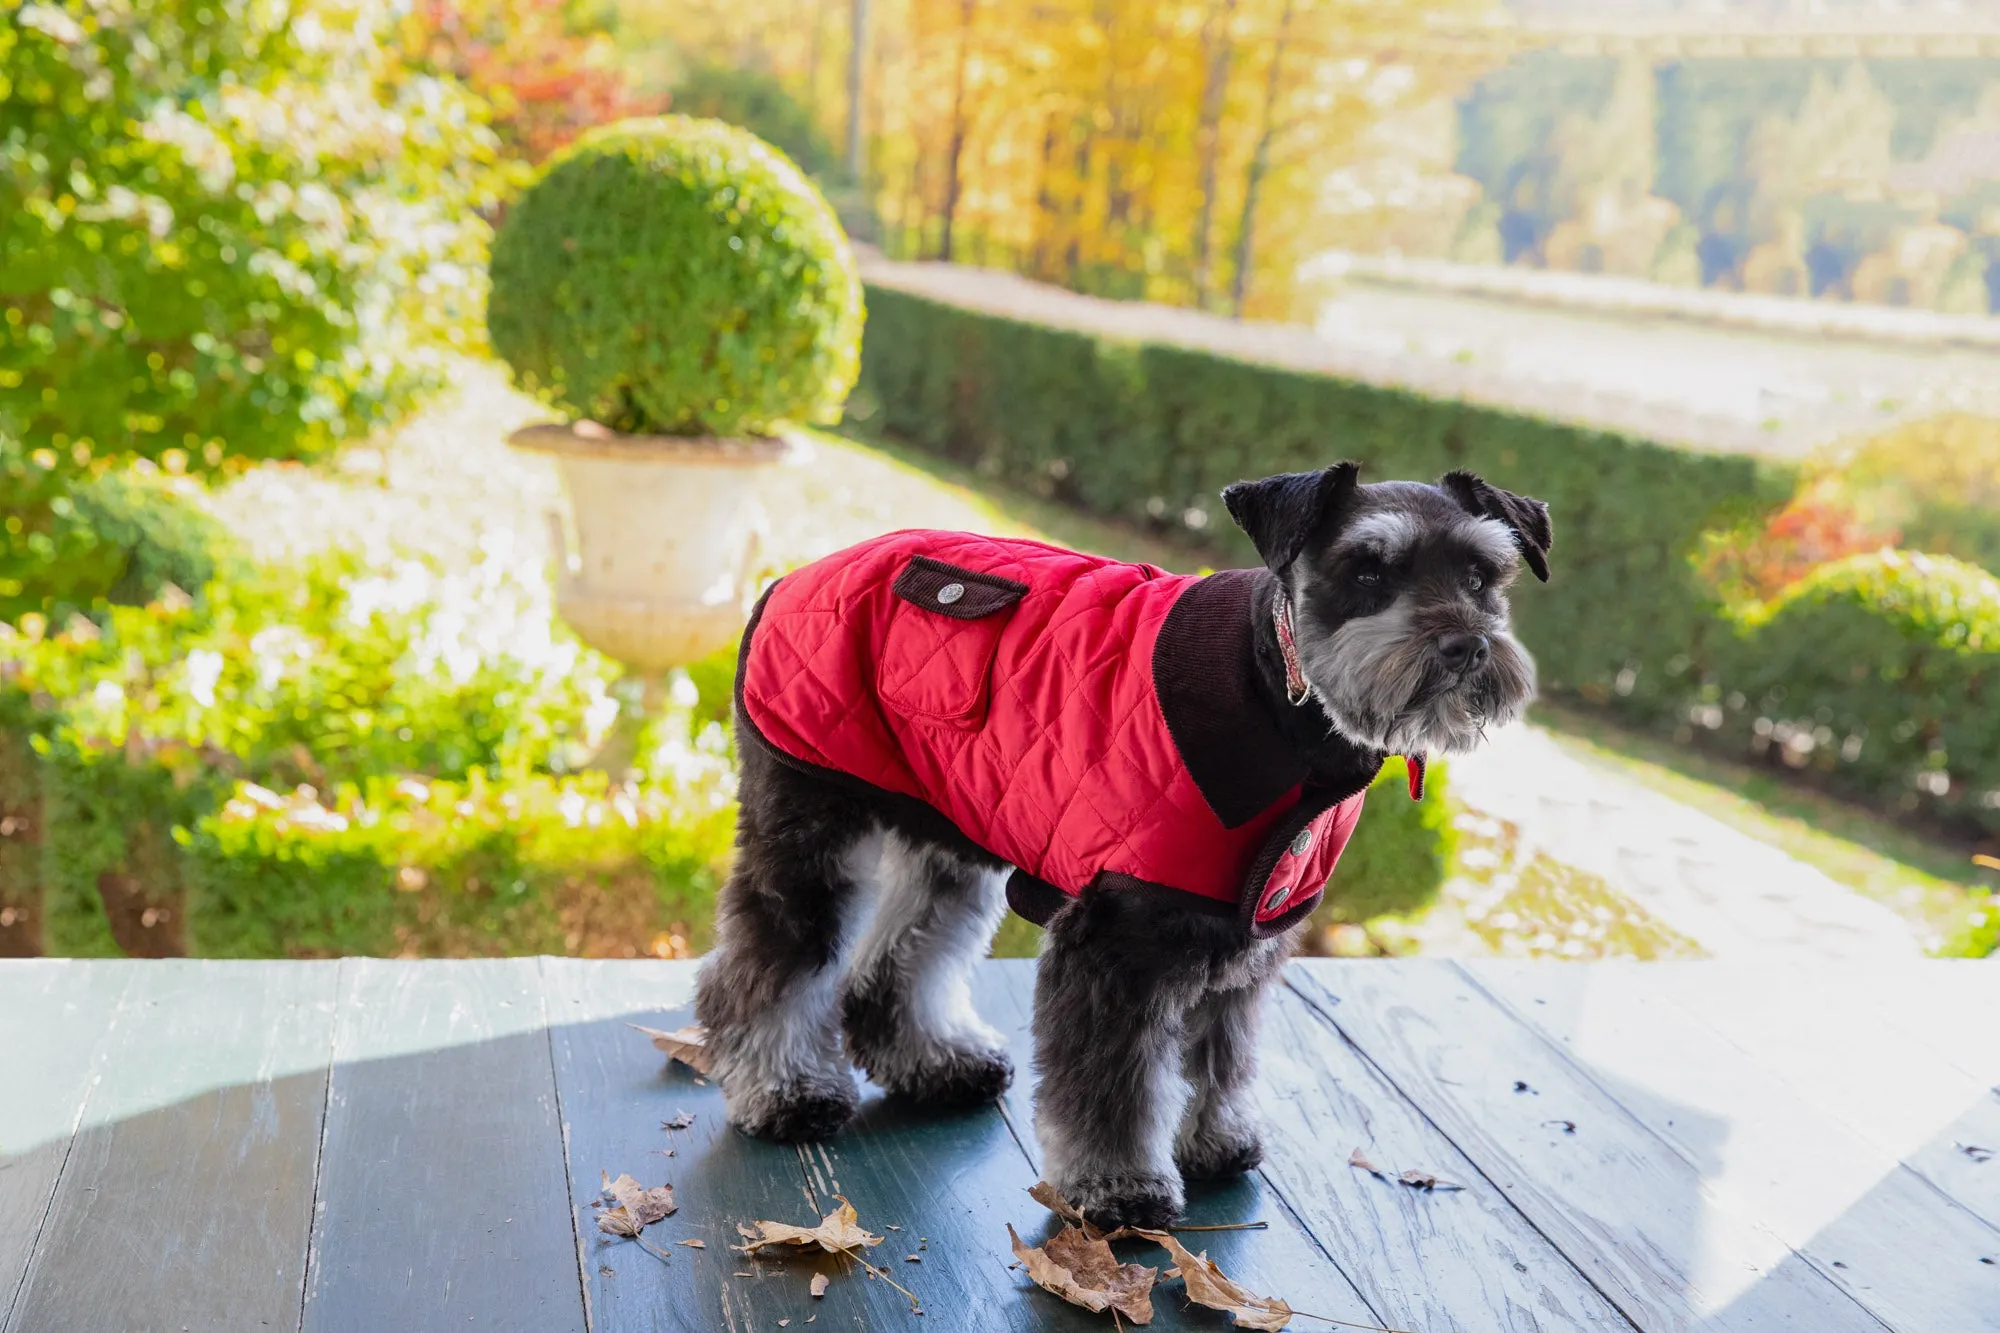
(909, 1295)
(661, 1255)
(1342, 1323)
(1226, 1226)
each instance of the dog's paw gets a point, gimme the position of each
(1110, 1202)
(804, 1111)
(1216, 1154)
(955, 1076)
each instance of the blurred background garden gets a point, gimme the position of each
(290, 654)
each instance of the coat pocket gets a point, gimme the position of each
(937, 661)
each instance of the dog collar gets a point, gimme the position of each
(1298, 689)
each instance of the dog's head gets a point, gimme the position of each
(1397, 596)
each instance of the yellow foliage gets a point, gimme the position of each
(1130, 148)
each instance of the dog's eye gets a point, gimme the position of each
(1369, 578)
(1475, 581)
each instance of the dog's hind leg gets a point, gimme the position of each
(806, 865)
(1112, 994)
(907, 1002)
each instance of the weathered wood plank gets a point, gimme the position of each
(1828, 1035)
(55, 1021)
(1454, 1259)
(187, 1198)
(1620, 1203)
(615, 1091)
(1863, 1220)
(443, 1196)
(1283, 1260)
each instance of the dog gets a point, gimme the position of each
(1161, 769)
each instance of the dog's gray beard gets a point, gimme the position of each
(1379, 682)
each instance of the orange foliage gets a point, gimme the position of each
(546, 76)
(1815, 528)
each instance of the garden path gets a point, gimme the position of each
(447, 486)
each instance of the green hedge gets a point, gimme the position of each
(1152, 433)
(1879, 671)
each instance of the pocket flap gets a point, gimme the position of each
(962, 594)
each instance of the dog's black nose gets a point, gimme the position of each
(1464, 652)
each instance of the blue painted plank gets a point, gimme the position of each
(55, 1021)
(616, 1090)
(443, 1196)
(187, 1195)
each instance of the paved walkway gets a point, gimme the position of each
(1736, 896)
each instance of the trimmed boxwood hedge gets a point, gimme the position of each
(1152, 433)
(1881, 671)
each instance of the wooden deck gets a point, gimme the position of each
(373, 1145)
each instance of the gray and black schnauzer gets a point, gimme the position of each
(850, 914)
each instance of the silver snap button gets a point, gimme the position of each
(950, 593)
(1277, 898)
(1303, 843)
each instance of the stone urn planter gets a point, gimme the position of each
(681, 295)
(657, 564)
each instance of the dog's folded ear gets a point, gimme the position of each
(1281, 513)
(1527, 518)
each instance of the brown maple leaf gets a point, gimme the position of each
(1207, 1285)
(689, 1045)
(819, 1285)
(637, 1208)
(1082, 1270)
(1048, 1197)
(838, 1231)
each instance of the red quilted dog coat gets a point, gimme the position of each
(1082, 719)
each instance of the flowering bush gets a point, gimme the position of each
(227, 228)
(1817, 527)
(428, 728)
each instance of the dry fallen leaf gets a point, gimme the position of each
(689, 1045)
(681, 1120)
(695, 1244)
(838, 1230)
(1046, 1195)
(1206, 1285)
(620, 1222)
(637, 1208)
(1975, 1152)
(1083, 1271)
(819, 1285)
(1424, 1180)
(1358, 1158)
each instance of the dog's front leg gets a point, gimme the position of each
(1109, 1023)
(1219, 1134)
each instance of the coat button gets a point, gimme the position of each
(1303, 843)
(1277, 898)
(950, 593)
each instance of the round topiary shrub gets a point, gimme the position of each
(676, 276)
